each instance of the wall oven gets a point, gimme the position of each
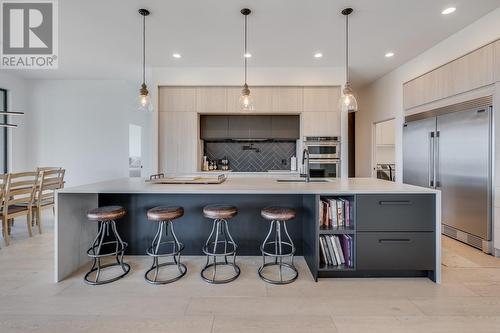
(324, 156)
(322, 146)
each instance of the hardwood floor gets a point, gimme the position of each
(468, 300)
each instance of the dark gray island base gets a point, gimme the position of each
(394, 234)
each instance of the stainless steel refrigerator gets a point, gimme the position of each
(450, 149)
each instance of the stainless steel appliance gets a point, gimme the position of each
(450, 149)
(323, 156)
(322, 146)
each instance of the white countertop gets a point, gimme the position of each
(251, 185)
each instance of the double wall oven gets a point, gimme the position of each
(324, 156)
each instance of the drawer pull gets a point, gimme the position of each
(394, 241)
(395, 202)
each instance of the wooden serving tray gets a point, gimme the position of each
(187, 180)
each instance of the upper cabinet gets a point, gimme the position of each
(497, 60)
(285, 127)
(267, 99)
(287, 99)
(472, 71)
(325, 123)
(176, 99)
(321, 98)
(211, 99)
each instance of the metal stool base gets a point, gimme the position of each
(278, 254)
(237, 272)
(94, 252)
(181, 267)
(124, 266)
(154, 252)
(280, 266)
(210, 249)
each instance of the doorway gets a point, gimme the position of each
(384, 150)
(135, 151)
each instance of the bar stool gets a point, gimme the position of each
(278, 249)
(105, 217)
(216, 247)
(172, 248)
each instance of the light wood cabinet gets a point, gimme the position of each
(177, 99)
(469, 72)
(288, 99)
(178, 141)
(232, 99)
(384, 132)
(497, 60)
(211, 99)
(321, 99)
(324, 123)
(263, 99)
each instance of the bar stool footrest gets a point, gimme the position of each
(180, 266)
(218, 264)
(96, 283)
(279, 265)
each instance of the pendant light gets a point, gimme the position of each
(246, 99)
(144, 97)
(347, 101)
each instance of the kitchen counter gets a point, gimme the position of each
(252, 184)
(382, 210)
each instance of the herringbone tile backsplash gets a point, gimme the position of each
(258, 157)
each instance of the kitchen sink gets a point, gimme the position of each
(302, 180)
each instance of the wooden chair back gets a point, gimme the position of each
(61, 174)
(49, 181)
(20, 189)
(3, 183)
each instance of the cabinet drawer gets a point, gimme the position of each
(395, 250)
(396, 212)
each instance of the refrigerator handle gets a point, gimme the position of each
(437, 182)
(430, 170)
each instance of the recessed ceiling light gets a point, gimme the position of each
(448, 10)
(389, 54)
(247, 55)
(318, 55)
(177, 55)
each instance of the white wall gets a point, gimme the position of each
(83, 126)
(18, 95)
(383, 99)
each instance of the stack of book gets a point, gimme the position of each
(334, 213)
(336, 250)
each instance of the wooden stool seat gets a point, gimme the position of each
(219, 211)
(278, 213)
(164, 213)
(106, 213)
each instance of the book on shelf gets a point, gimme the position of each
(334, 213)
(336, 250)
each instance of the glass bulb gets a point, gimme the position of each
(348, 101)
(145, 103)
(246, 102)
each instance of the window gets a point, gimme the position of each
(3, 132)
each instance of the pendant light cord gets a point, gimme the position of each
(245, 51)
(347, 48)
(143, 49)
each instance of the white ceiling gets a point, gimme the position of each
(101, 38)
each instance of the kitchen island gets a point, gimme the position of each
(396, 228)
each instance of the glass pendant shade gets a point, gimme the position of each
(144, 99)
(246, 100)
(348, 101)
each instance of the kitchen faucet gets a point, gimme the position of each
(305, 165)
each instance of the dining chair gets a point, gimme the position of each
(18, 200)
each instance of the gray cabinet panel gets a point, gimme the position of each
(259, 127)
(285, 127)
(395, 251)
(213, 127)
(238, 127)
(396, 212)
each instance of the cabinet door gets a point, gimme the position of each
(213, 127)
(288, 99)
(259, 127)
(286, 127)
(263, 98)
(177, 99)
(178, 141)
(472, 71)
(321, 98)
(232, 99)
(497, 60)
(211, 99)
(238, 127)
(321, 123)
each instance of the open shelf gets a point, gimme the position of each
(337, 231)
(330, 268)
